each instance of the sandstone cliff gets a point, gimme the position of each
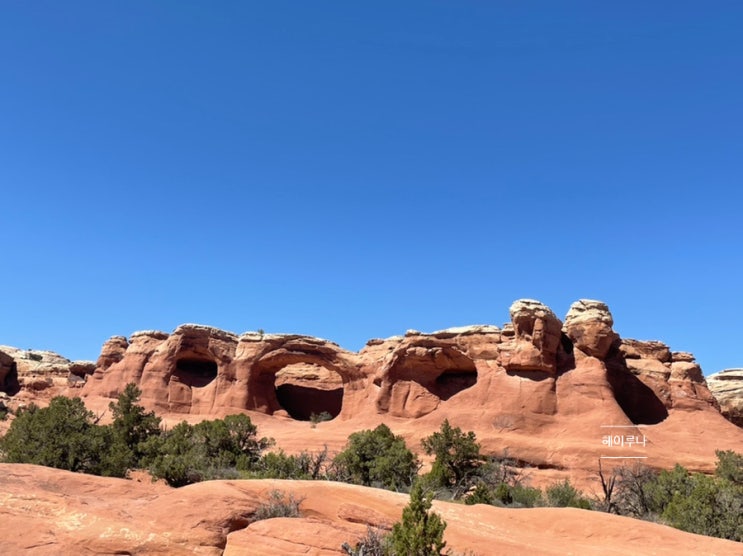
(544, 390)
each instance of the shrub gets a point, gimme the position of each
(457, 456)
(421, 532)
(712, 507)
(525, 497)
(482, 494)
(501, 469)
(316, 418)
(564, 495)
(662, 489)
(699, 503)
(61, 435)
(515, 496)
(305, 465)
(374, 543)
(729, 466)
(376, 458)
(279, 505)
(208, 450)
(633, 491)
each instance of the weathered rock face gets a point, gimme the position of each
(36, 370)
(204, 370)
(651, 380)
(530, 370)
(113, 351)
(727, 388)
(588, 324)
(540, 390)
(421, 372)
(537, 333)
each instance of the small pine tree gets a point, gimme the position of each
(132, 426)
(457, 456)
(420, 533)
(376, 458)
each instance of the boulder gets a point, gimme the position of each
(113, 351)
(588, 324)
(537, 333)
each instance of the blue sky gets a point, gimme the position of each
(351, 170)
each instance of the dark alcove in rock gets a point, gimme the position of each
(637, 400)
(304, 390)
(195, 372)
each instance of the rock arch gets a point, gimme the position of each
(299, 375)
(305, 390)
(420, 374)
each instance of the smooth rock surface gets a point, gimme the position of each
(51, 512)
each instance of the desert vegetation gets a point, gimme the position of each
(693, 502)
(279, 504)
(67, 436)
(376, 458)
(420, 532)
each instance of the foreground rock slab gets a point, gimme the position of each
(48, 511)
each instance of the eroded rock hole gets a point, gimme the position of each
(10, 384)
(452, 382)
(304, 390)
(195, 372)
(637, 400)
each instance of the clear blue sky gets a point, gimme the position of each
(350, 170)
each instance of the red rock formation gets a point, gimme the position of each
(727, 388)
(421, 372)
(537, 333)
(113, 351)
(542, 391)
(588, 324)
(203, 370)
(37, 376)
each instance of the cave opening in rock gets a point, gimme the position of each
(453, 381)
(308, 391)
(637, 400)
(10, 384)
(195, 372)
